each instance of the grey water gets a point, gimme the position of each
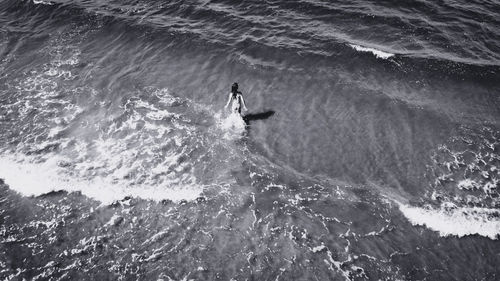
(370, 151)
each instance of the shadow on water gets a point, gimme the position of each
(257, 116)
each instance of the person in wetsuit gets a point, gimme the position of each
(236, 100)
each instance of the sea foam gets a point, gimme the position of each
(455, 221)
(377, 53)
(233, 126)
(37, 178)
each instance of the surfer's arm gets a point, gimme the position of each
(229, 100)
(243, 103)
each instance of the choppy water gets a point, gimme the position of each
(372, 149)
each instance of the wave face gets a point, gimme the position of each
(371, 149)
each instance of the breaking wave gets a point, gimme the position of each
(375, 52)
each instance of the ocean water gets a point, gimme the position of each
(370, 151)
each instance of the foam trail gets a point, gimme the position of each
(233, 125)
(377, 53)
(455, 221)
(33, 179)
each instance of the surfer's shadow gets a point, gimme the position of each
(248, 118)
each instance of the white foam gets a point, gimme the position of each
(488, 187)
(318, 248)
(233, 125)
(377, 53)
(114, 220)
(33, 179)
(466, 184)
(54, 131)
(42, 2)
(457, 221)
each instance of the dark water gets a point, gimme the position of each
(372, 150)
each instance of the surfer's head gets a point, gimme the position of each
(234, 87)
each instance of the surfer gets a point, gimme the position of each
(236, 100)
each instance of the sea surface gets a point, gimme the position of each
(370, 150)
